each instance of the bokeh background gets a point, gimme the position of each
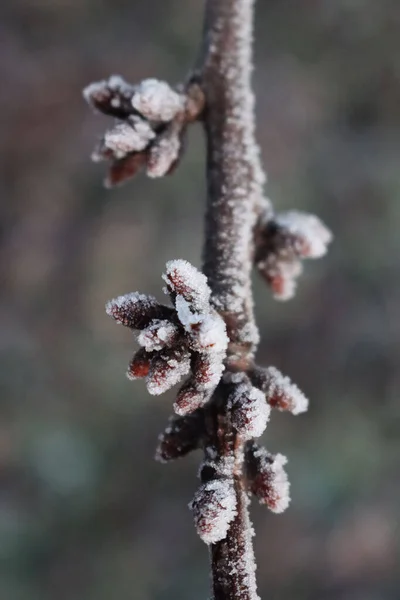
(85, 512)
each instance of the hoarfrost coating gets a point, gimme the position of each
(314, 234)
(156, 100)
(283, 394)
(250, 411)
(214, 508)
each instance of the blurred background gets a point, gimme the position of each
(85, 512)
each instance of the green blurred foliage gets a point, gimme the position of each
(85, 512)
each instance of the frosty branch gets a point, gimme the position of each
(208, 333)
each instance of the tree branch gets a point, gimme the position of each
(234, 172)
(234, 180)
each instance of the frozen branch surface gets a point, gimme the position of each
(234, 179)
(234, 173)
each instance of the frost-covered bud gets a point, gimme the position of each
(280, 392)
(137, 311)
(159, 334)
(164, 153)
(178, 339)
(268, 478)
(309, 236)
(185, 280)
(127, 137)
(157, 101)
(207, 369)
(281, 243)
(166, 369)
(112, 97)
(182, 435)
(125, 168)
(249, 411)
(139, 366)
(214, 508)
(190, 397)
(281, 275)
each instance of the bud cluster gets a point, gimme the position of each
(282, 242)
(190, 337)
(149, 130)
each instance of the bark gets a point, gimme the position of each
(234, 184)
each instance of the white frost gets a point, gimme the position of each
(158, 335)
(125, 138)
(157, 101)
(114, 84)
(284, 394)
(184, 279)
(214, 508)
(314, 235)
(162, 155)
(211, 335)
(188, 318)
(164, 374)
(120, 307)
(250, 411)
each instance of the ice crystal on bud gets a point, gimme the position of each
(127, 137)
(158, 335)
(137, 311)
(166, 369)
(189, 337)
(281, 243)
(280, 391)
(157, 101)
(249, 411)
(214, 508)
(310, 236)
(164, 153)
(111, 97)
(185, 280)
(268, 478)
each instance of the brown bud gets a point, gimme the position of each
(125, 168)
(190, 398)
(249, 411)
(280, 392)
(268, 479)
(182, 435)
(140, 365)
(167, 368)
(137, 311)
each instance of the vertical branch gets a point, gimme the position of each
(232, 559)
(234, 180)
(234, 173)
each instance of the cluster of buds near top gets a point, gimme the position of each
(282, 242)
(151, 120)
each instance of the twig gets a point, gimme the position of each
(234, 180)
